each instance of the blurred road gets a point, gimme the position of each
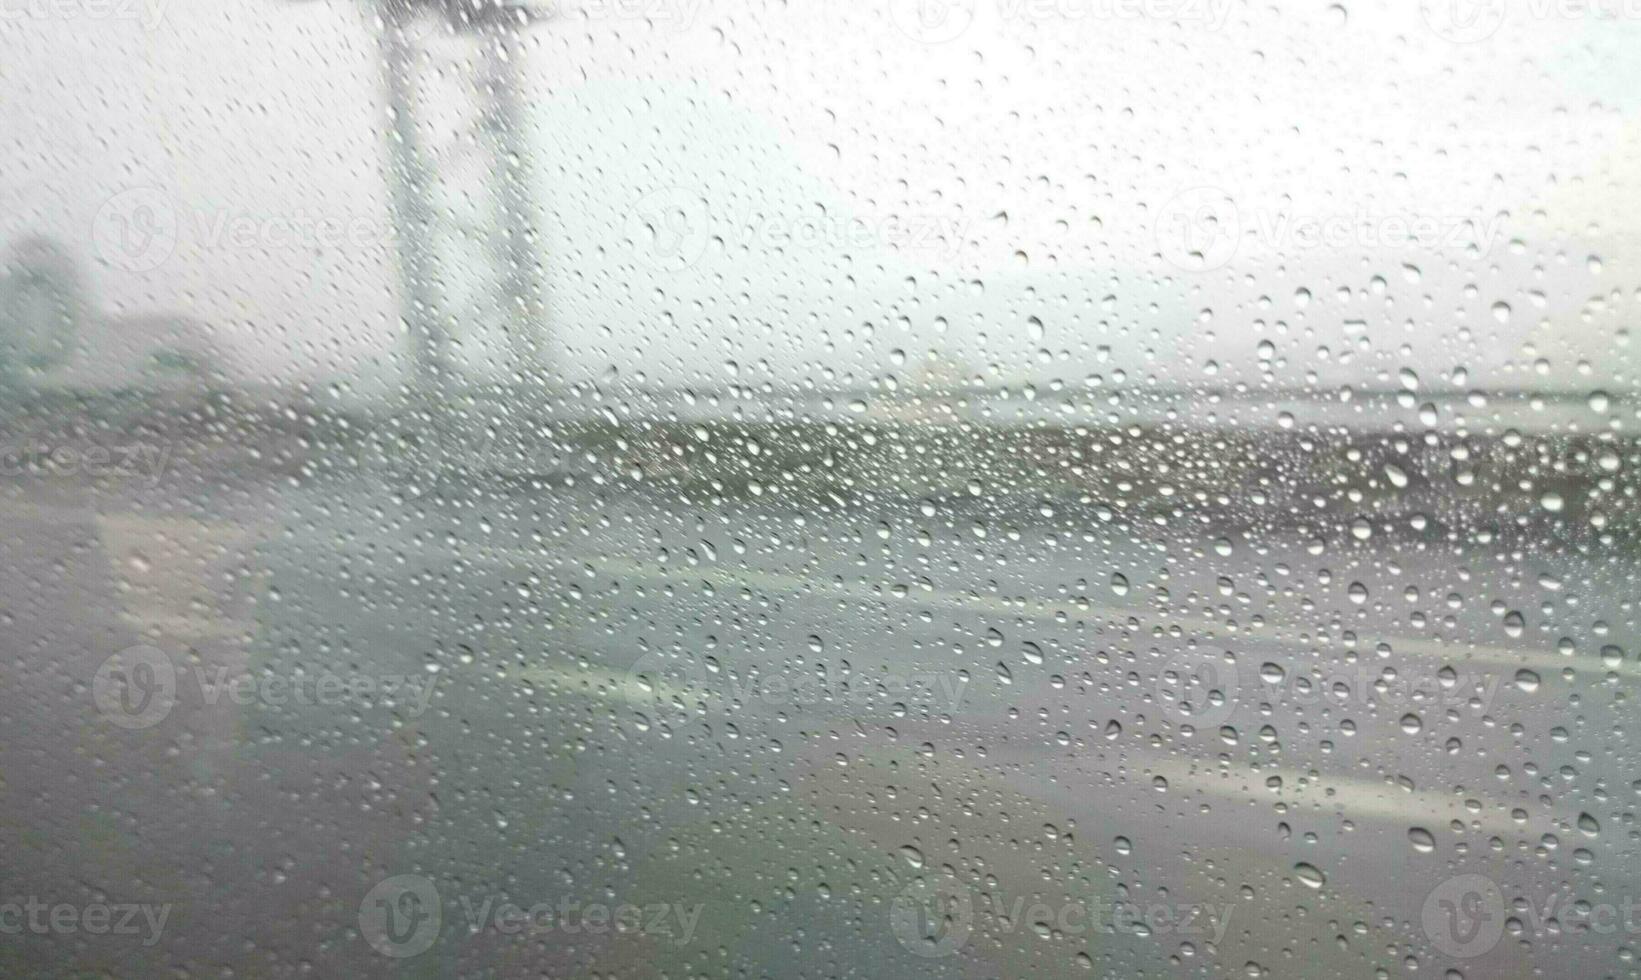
(1256, 753)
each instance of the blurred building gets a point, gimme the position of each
(54, 338)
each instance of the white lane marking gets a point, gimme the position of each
(1423, 647)
(618, 685)
(1457, 653)
(1352, 797)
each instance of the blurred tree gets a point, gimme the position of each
(43, 306)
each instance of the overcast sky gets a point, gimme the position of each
(856, 195)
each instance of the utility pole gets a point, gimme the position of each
(412, 213)
(515, 266)
(522, 293)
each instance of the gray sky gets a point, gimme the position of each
(852, 202)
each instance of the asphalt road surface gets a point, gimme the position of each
(600, 731)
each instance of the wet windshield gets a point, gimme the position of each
(967, 488)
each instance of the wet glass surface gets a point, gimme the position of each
(971, 488)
